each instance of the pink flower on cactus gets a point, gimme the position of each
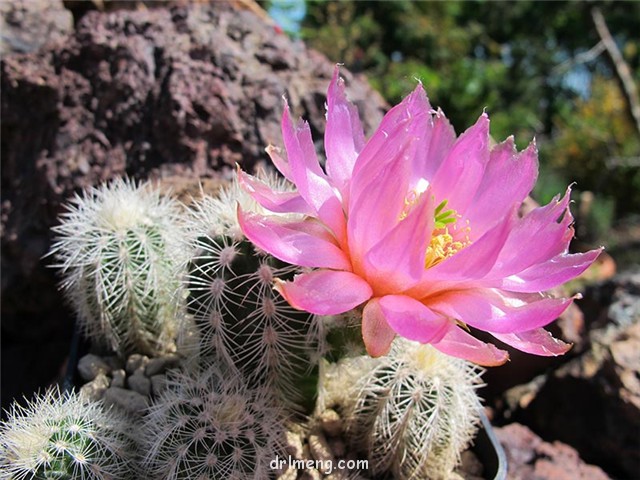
(419, 227)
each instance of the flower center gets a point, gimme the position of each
(443, 245)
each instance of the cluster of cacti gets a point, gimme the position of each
(412, 412)
(240, 319)
(134, 268)
(117, 250)
(62, 436)
(208, 425)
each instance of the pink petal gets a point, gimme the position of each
(498, 311)
(460, 344)
(398, 259)
(307, 175)
(325, 292)
(280, 202)
(301, 243)
(343, 137)
(552, 273)
(402, 125)
(376, 332)
(378, 211)
(413, 320)
(508, 178)
(436, 142)
(280, 163)
(536, 342)
(460, 174)
(539, 234)
(399, 118)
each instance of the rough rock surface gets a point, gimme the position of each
(183, 90)
(593, 402)
(27, 25)
(529, 457)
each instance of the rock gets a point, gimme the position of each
(593, 402)
(118, 378)
(293, 445)
(470, 466)
(158, 384)
(114, 361)
(131, 402)
(135, 362)
(331, 422)
(139, 383)
(27, 25)
(95, 389)
(161, 364)
(319, 448)
(289, 474)
(90, 366)
(337, 446)
(529, 457)
(311, 474)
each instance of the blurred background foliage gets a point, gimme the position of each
(540, 69)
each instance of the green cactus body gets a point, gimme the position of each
(65, 437)
(208, 426)
(416, 411)
(117, 250)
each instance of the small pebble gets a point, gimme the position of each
(289, 474)
(311, 474)
(135, 361)
(319, 448)
(158, 384)
(117, 378)
(94, 390)
(331, 422)
(161, 364)
(293, 445)
(338, 447)
(115, 362)
(343, 475)
(90, 366)
(131, 402)
(139, 383)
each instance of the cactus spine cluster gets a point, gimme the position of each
(240, 320)
(64, 437)
(208, 426)
(117, 251)
(416, 411)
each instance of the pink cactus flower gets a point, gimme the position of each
(419, 228)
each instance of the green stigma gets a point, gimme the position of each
(443, 217)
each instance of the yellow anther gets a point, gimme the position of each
(442, 246)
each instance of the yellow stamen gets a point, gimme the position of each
(441, 247)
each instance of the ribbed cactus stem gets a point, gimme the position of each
(240, 320)
(416, 411)
(117, 251)
(208, 426)
(65, 437)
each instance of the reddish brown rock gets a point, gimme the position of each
(529, 457)
(593, 402)
(27, 25)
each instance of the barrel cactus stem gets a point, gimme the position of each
(117, 251)
(414, 412)
(64, 436)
